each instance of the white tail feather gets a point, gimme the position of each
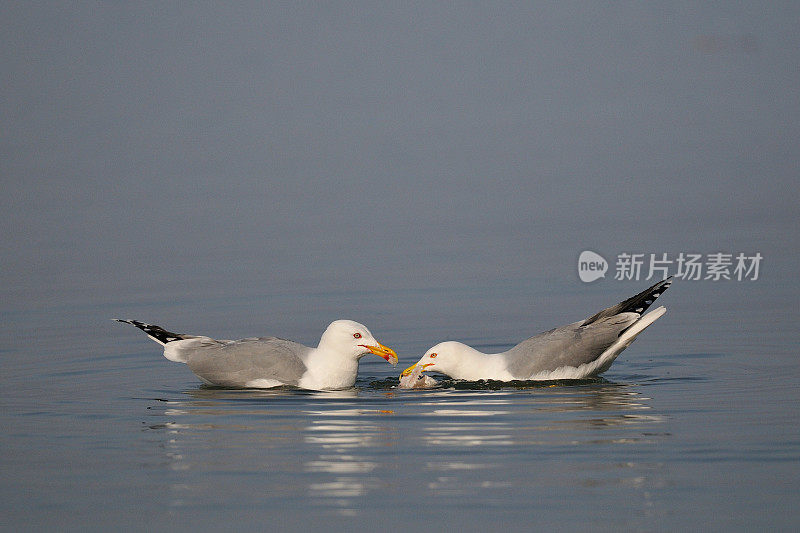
(627, 337)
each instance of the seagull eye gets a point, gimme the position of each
(433, 355)
(357, 335)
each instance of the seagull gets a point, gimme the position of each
(575, 351)
(266, 362)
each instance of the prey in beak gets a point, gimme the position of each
(382, 351)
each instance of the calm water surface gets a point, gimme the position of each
(116, 435)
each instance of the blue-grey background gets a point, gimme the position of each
(433, 171)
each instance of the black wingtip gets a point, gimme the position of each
(155, 332)
(643, 300)
(635, 304)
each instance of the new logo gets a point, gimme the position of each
(591, 266)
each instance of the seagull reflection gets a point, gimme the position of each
(534, 422)
(340, 464)
(340, 451)
(259, 431)
(345, 434)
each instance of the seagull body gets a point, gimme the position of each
(266, 362)
(578, 350)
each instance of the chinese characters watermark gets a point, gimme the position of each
(686, 266)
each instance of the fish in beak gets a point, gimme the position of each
(412, 378)
(382, 351)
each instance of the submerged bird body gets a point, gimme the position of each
(578, 350)
(265, 362)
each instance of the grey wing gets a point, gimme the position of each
(236, 363)
(581, 342)
(571, 345)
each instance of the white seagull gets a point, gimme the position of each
(266, 362)
(575, 351)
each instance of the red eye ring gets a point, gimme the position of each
(433, 355)
(357, 335)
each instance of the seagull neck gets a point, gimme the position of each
(328, 369)
(475, 365)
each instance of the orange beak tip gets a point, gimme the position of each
(385, 352)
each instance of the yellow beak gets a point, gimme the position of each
(383, 351)
(410, 369)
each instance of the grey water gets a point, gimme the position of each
(433, 172)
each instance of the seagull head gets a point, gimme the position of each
(442, 358)
(355, 340)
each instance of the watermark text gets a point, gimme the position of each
(685, 266)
